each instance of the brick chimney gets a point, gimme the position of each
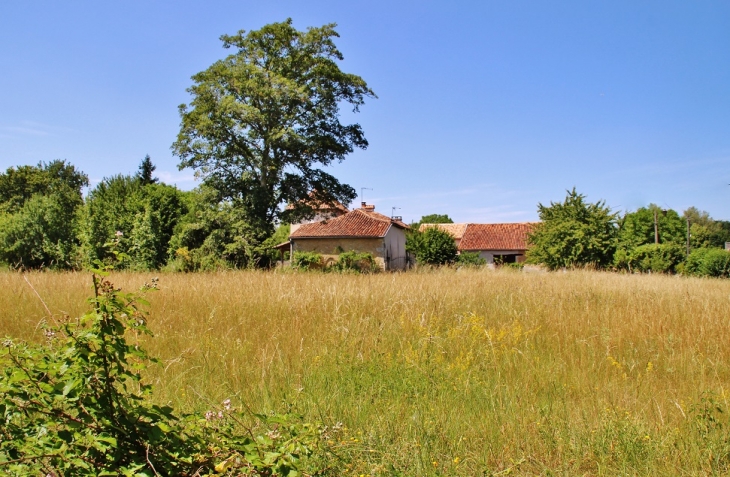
(367, 208)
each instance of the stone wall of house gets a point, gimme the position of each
(330, 248)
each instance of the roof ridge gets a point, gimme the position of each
(375, 215)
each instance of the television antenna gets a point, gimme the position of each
(362, 193)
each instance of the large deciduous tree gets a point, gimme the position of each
(263, 122)
(19, 184)
(574, 233)
(38, 215)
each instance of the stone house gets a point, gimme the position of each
(360, 230)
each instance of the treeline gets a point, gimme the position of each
(135, 222)
(576, 233)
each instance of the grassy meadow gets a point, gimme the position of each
(450, 372)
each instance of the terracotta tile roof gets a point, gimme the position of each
(356, 223)
(455, 230)
(379, 216)
(496, 236)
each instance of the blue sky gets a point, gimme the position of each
(484, 108)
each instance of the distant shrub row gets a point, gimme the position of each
(671, 258)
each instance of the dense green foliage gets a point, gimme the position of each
(432, 219)
(46, 223)
(38, 215)
(470, 259)
(355, 262)
(705, 231)
(215, 235)
(708, 262)
(20, 184)
(140, 218)
(350, 261)
(637, 228)
(40, 234)
(432, 247)
(262, 122)
(307, 260)
(650, 257)
(78, 405)
(574, 233)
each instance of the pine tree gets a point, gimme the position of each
(146, 168)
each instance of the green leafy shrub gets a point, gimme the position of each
(708, 262)
(77, 405)
(141, 217)
(354, 261)
(470, 259)
(573, 234)
(432, 247)
(41, 234)
(218, 235)
(307, 260)
(657, 258)
(39, 208)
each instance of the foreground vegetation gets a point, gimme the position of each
(469, 372)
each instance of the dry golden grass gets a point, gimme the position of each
(449, 372)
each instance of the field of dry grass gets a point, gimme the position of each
(449, 372)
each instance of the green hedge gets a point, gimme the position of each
(708, 262)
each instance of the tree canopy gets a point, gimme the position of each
(19, 184)
(432, 219)
(140, 219)
(436, 219)
(38, 212)
(432, 247)
(637, 228)
(265, 119)
(573, 233)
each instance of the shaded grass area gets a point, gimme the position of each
(466, 372)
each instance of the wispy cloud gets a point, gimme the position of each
(34, 128)
(24, 130)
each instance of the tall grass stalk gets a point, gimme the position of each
(466, 372)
